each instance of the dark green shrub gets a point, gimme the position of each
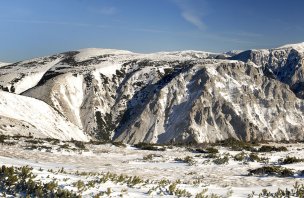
(211, 155)
(291, 160)
(34, 141)
(64, 146)
(51, 186)
(148, 146)
(52, 140)
(236, 145)
(212, 150)
(221, 160)
(199, 150)
(272, 171)
(207, 150)
(187, 159)
(79, 145)
(20, 180)
(80, 185)
(266, 148)
(39, 147)
(240, 156)
(182, 193)
(255, 158)
(296, 191)
(2, 138)
(172, 188)
(134, 181)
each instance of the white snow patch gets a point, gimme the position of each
(219, 84)
(298, 46)
(88, 53)
(211, 70)
(46, 122)
(107, 68)
(3, 64)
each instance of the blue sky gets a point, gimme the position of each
(31, 28)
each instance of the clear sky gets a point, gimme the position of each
(31, 28)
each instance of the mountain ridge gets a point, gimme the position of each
(181, 96)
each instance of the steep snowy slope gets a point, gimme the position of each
(28, 116)
(21, 76)
(184, 96)
(285, 64)
(214, 100)
(93, 93)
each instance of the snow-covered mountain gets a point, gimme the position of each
(284, 64)
(183, 96)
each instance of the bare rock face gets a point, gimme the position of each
(284, 64)
(215, 100)
(180, 97)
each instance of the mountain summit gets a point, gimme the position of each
(181, 97)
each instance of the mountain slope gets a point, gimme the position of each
(213, 101)
(285, 64)
(184, 96)
(28, 116)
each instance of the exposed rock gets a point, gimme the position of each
(284, 64)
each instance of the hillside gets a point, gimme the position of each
(183, 96)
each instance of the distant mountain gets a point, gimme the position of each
(183, 96)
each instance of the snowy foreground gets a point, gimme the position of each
(92, 169)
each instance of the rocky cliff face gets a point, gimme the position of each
(186, 96)
(284, 64)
